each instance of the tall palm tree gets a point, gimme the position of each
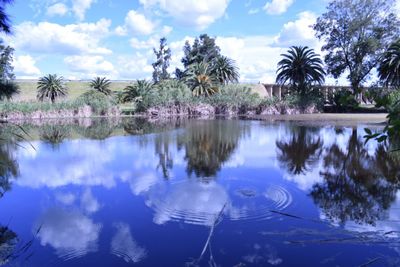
(101, 84)
(51, 87)
(225, 70)
(389, 69)
(5, 23)
(201, 80)
(301, 67)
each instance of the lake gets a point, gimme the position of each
(197, 193)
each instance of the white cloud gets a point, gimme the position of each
(137, 66)
(58, 9)
(299, 32)
(137, 23)
(89, 66)
(89, 202)
(253, 11)
(277, 7)
(192, 13)
(25, 66)
(79, 7)
(49, 38)
(191, 201)
(123, 245)
(71, 234)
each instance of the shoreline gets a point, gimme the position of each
(317, 118)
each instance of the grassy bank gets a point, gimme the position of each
(28, 89)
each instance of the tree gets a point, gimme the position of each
(201, 80)
(301, 67)
(51, 87)
(8, 87)
(225, 70)
(204, 49)
(5, 23)
(136, 91)
(389, 69)
(356, 33)
(101, 84)
(163, 55)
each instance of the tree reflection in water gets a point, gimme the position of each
(8, 243)
(99, 129)
(358, 185)
(209, 144)
(8, 164)
(54, 134)
(301, 152)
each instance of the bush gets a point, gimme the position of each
(343, 101)
(29, 107)
(302, 102)
(8, 89)
(168, 93)
(385, 97)
(99, 102)
(236, 97)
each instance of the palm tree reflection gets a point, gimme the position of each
(301, 152)
(209, 144)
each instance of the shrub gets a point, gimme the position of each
(343, 101)
(385, 97)
(234, 96)
(302, 102)
(29, 107)
(168, 93)
(99, 102)
(8, 89)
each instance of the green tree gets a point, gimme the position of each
(301, 67)
(5, 23)
(356, 33)
(51, 87)
(389, 69)
(140, 92)
(204, 49)
(201, 80)
(8, 87)
(225, 70)
(101, 84)
(163, 56)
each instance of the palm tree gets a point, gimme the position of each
(201, 80)
(389, 69)
(301, 67)
(136, 91)
(225, 70)
(5, 23)
(8, 88)
(51, 87)
(101, 84)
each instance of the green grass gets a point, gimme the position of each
(75, 89)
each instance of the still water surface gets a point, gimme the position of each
(198, 193)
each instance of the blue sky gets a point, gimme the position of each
(80, 39)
